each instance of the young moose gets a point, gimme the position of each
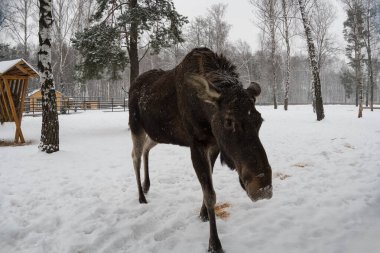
(201, 104)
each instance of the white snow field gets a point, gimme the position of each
(83, 199)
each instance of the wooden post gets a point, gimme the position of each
(8, 114)
(23, 93)
(14, 114)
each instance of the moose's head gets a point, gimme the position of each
(235, 124)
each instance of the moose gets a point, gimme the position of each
(201, 104)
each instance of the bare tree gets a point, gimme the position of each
(198, 33)
(241, 54)
(286, 22)
(210, 31)
(313, 62)
(268, 13)
(3, 13)
(219, 27)
(322, 16)
(20, 26)
(66, 14)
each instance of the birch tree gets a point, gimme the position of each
(369, 16)
(316, 82)
(50, 126)
(322, 15)
(268, 12)
(286, 25)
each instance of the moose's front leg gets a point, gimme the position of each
(202, 166)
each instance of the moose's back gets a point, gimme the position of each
(153, 107)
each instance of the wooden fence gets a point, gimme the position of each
(69, 105)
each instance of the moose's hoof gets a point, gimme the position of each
(142, 200)
(203, 215)
(215, 246)
(212, 250)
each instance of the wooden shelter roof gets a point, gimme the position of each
(17, 68)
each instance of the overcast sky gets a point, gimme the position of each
(240, 15)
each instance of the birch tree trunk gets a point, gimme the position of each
(369, 53)
(50, 127)
(358, 66)
(273, 51)
(287, 75)
(313, 63)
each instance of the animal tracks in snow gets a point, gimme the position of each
(281, 176)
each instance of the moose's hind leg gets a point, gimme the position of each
(149, 144)
(138, 146)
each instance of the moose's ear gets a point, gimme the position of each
(205, 90)
(254, 89)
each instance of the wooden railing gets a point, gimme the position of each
(67, 105)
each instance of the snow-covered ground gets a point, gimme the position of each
(84, 198)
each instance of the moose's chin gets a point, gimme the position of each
(262, 193)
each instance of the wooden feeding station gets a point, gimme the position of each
(14, 80)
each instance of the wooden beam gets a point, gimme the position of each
(8, 77)
(5, 102)
(14, 113)
(2, 107)
(22, 69)
(23, 95)
(22, 101)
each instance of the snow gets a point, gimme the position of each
(84, 197)
(7, 65)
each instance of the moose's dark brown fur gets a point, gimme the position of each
(201, 104)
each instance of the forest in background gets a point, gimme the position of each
(18, 22)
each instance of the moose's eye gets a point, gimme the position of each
(229, 124)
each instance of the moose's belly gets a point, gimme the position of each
(169, 132)
(161, 121)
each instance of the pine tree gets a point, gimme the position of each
(347, 79)
(313, 63)
(50, 126)
(122, 24)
